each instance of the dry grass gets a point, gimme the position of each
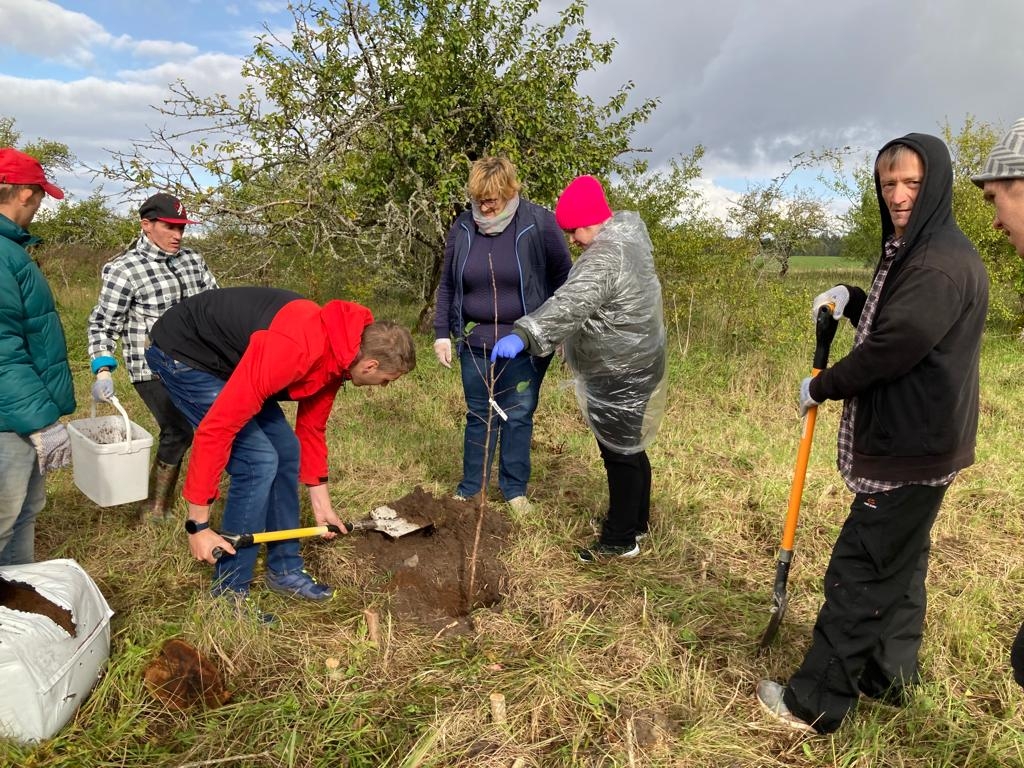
(649, 663)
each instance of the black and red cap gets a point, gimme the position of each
(166, 208)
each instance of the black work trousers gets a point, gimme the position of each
(868, 632)
(1017, 656)
(175, 429)
(629, 496)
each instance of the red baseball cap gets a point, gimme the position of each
(165, 207)
(18, 168)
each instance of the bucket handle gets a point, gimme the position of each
(127, 422)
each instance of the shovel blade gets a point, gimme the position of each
(779, 602)
(390, 523)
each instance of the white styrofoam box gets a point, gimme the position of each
(45, 673)
(109, 468)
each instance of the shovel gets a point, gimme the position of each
(825, 330)
(387, 521)
(383, 519)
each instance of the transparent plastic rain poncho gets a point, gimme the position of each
(608, 315)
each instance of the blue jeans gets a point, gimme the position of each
(515, 434)
(263, 467)
(22, 496)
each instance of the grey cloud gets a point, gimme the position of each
(756, 82)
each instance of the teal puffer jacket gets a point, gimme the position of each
(35, 379)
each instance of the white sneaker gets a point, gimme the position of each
(769, 696)
(520, 505)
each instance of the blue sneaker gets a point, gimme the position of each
(298, 584)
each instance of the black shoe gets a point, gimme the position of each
(597, 552)
(597, 525)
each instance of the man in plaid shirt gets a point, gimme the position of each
(153, 275)
(909, 389)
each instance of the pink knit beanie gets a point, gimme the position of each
(582, 204)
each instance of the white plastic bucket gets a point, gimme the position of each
(110, 456)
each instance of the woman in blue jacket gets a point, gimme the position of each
(503, 258)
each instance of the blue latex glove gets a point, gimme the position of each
(806, 401)
(508, 346)
(103, 387)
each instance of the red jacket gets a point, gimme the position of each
(306, 351)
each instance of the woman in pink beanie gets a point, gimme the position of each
(608, 317)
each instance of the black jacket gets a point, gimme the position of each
(915, 376)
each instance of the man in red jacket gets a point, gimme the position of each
(227, 357)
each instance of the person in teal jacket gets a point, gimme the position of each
(37, 388)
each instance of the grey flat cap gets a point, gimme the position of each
(1006, 160)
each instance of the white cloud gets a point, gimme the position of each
(163, 49)
(717, 200)
(207, 73)
(73, 38)
(96, 117)
(44, 29)
(271, 7)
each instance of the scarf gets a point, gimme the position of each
(495, 225)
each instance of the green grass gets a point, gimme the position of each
(650, 663)
(819, 263)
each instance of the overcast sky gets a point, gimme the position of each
(754, 81)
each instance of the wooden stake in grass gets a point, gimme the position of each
(372, 625)
(498, 708)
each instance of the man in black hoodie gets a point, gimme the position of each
(909, 389)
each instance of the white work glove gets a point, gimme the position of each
(53, 447)
(443, 350)
(103, 387)
(806, 401)
(838, 295)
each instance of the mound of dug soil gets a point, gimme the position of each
(426, 574)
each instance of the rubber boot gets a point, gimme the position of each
(163, 479)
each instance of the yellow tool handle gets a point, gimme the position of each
(292, 533)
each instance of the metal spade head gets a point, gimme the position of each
(389, 522)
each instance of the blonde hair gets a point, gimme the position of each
(390, 344)
(893, 154)
(493, 177)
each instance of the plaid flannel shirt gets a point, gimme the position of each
(137, 288)
(846, 422)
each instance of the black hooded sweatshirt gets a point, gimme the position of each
(915, 376)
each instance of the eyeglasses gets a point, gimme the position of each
(491, 202)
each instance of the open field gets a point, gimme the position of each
(646, 663)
